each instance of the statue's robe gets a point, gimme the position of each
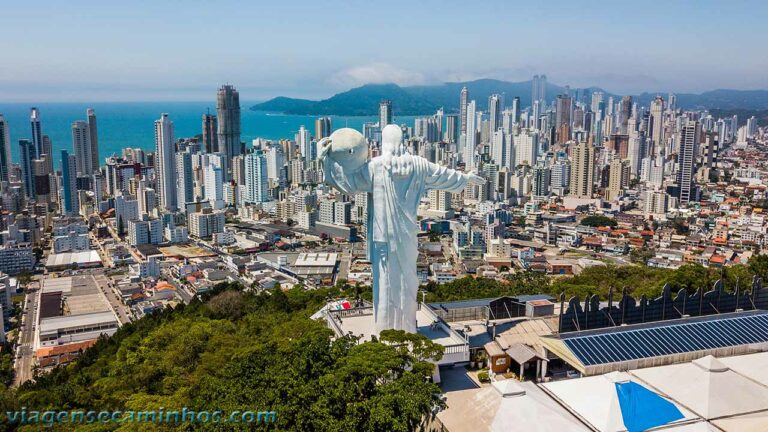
(392, 228)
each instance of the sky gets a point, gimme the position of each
(169, 50)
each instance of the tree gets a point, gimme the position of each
(641, 255)
(598, 221)
(434, 236)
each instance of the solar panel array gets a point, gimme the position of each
(627, 345)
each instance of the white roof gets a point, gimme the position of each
(701, 426)
(316, 260)
(63, 284)
(594, 399)
(707, 387)
(70, 321)
(69, 258)
(753, 366)
(524, 407)
(756, 422)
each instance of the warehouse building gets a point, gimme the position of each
(660, 343)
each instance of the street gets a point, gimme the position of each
(104, 284)
(24, 354)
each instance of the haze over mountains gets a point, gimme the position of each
(425, 99)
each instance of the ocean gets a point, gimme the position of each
(131, 124)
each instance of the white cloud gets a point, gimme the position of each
(376, 73)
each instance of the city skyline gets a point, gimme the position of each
(624, 49)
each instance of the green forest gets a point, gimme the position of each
(239, 351)
(639, 280)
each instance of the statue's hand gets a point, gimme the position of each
(475, 179)
(325, 147)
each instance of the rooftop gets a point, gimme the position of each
(657, 343)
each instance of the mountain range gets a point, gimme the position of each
(426, 99)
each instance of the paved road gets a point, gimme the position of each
(24, 358)
(104, 284)
(181, 290)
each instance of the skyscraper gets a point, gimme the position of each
(563, 119)
(686, 160)
(656, 126)
(228, 111)
(618, 178)
(37, 132)
(94, 135)
(322, 127)
(26, 156)
(48, 149)
(5, 149)
(307, 146)
(582, 162)
(494, 112)
(210, 133)
(165, 163)
(450, 128)
(463, 101)
(516, 109)
(185, 185)
(256, 177)
(69, 199)
(539, 89)
(385, 113)
(470, 138)
(81, 144)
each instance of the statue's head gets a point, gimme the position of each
(391, 138)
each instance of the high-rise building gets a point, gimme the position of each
(42, 180)
(385, 113)
(541, 180)
(185, 183)
(527, 147)
(463, 101)
(501, 150)
(656, 127)
(5, 149)
(470, 138)
(48, 149)
(751, 127)
(210, 133)
(494, 112)
(256, 177)
(322, 128)
(26, 156)
(307, 146)
(450, 128)
(81, 144)
(165, 163)
(70, 204)
(94, 138)
(582, 164)
(213, 179)
(686, 159)
(516, 109)
(37, 131)
(618, 179)
(539, 89)
(228, 112)
(563, 119)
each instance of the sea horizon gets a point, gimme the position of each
(130, 124)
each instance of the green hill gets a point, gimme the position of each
(239, 351)
(426, 99)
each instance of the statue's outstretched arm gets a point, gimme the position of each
(451, 180)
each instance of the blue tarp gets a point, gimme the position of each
(643, 409)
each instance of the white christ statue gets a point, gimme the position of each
(395, 182)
